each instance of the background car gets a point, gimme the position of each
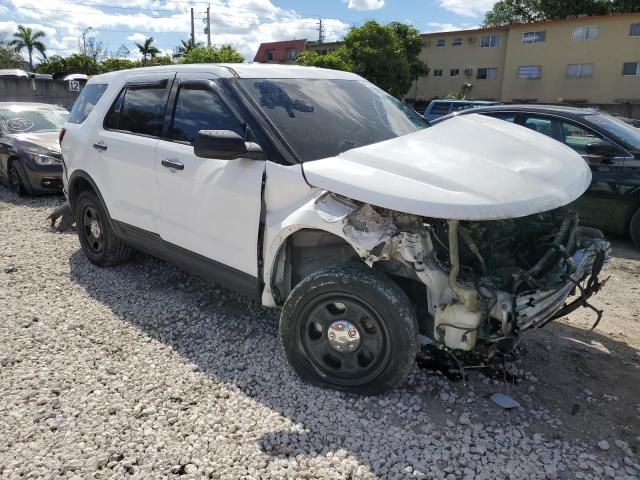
(440, 108)
(30, 159)
(610, 146)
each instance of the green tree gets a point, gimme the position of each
(76, 63)
(147, 49)
(386, 55)
(185, 47)
(224, 54)
(506, 12)
(337, 60)
(9, 58)
(161, 60)
(25, 37)
(412, 45)
(113, 64)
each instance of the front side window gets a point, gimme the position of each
(441, 42)
(626, 134)
(631, 69)
(88, 98)
(531, 72)
(487, 73)
(490, 41)
(585, 33)
(540, 124)
(322, 118)
(580, 70)
(138, 110)
(634, 30)
(578, 137)
(534, 37)
(20, 120)
(201, 109)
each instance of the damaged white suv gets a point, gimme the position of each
(315, 191)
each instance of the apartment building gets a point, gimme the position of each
(582, 61)
(286, 51)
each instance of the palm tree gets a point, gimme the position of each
(185, 47)
(25, 37)
(147, 49)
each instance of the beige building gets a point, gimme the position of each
(586, 60)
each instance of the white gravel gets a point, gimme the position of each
(143, 371)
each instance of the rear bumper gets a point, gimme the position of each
(537, 308)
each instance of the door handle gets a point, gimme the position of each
(172, 164)
(100, 146)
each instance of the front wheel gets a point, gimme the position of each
(635, 228)
(15, 180)
(350, 328)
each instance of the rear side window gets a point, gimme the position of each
(88, 98)
(440, 108)
(201, 109)
(138, 110)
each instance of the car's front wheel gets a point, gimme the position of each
(635, 228)
(15, 180)
(99, 242)
(350, 328)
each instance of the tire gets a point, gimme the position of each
(15, 180)
(634, 228)
(99, 242)
(372, 323)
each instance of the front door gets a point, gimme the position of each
(207, 206)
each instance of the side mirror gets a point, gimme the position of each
(602, 149)
(225, 145)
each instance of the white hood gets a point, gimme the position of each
(470, 167)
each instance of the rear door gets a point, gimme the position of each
(125, 146)
(207, 206)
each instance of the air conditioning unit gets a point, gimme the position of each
(472, 39)
(468, 71)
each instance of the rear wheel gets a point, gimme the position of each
(635, 228)
(99, 242)
(350, 328)
(15, 180)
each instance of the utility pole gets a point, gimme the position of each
(320, 30)
(84, 40)
(193, 32)
(209, 25)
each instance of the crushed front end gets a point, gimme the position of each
(486, 281)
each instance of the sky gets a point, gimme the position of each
(242, 23)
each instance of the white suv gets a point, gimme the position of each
(315, 191)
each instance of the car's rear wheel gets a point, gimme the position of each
(99, 242)
(635, 228)
(15, 180)
(350, 328)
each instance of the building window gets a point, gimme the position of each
(437, 72)
(490, 41)
(530, 72)
(456, 42)
(534, 37)
(454, 72)
(291, 54)
(634, 30)
(487, 73)
(441, 42)
(631, 69)
(580, 70)
(585, 33)
(269, 56)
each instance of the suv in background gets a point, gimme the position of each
(315, 191)
(609, 145)
(440, 108)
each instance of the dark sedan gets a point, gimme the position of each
(610, 146)
(30, 160)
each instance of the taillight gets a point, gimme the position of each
(61, 135)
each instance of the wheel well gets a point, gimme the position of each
(78, 186)
(304, 252)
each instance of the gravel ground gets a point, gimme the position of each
(143, 371)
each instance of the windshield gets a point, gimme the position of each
(32, 121)
(323, 118)
(621, 130)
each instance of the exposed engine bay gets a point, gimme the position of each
(486, 281)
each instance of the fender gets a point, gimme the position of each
(79, 176)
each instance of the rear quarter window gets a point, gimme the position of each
(88, 98)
